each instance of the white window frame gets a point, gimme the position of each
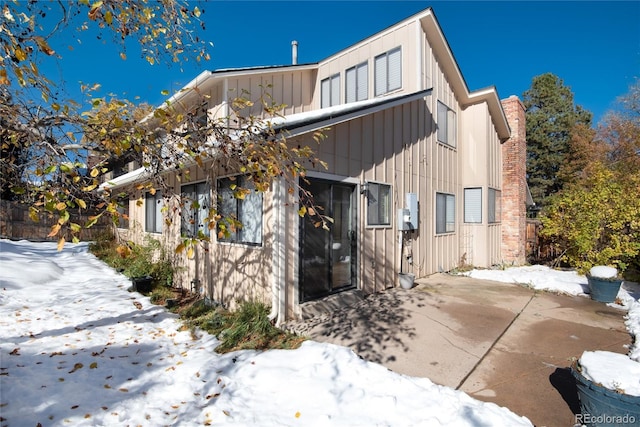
(447, 125)
(445, 213)
(388, 71)
(153, 217)
(196, 202)
(494, 205)
(379, 207)
(330, 91)
(356, 85)
(250, 233)
(473, 205)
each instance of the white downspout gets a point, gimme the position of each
(281, 211)
(420, 67)
(225, 100)
(278, 291)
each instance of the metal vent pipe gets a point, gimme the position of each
(294, 52)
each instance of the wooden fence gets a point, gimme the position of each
(16, 224)
(538, 249)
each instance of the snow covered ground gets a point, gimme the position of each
(77, 349)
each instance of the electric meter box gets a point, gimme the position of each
(408, 217)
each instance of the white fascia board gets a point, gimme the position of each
(416, 17)
(233, 72)
(450, 67)
(132, 177)
(490, 96)
(301, 123)
(193, 84)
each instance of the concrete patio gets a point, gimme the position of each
(498, 342)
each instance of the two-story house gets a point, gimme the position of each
(416, 180)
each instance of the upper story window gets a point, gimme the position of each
(195, 202)
(153, 212)
(201, 116)
(241, 213)
(446, 125)
(357, 83)
(120, 169)
(388, 69)
(330, 91)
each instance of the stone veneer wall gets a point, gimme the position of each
(514, 184)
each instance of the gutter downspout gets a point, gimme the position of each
(225, 100)
(420, 43)
(277, 286)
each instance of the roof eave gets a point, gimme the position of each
(359, 109)
(450, 68)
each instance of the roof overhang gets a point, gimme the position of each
(139, 175)
(301, 123)
(450, 68)
(449, 65)
(207, 79)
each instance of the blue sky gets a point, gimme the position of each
(594, 47)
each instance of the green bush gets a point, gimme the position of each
(248, 327)
(134, 260)
(597, 221)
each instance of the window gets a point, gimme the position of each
(388, 69)
(201, 116)
(241, 213)
(494, 206)
(378, 204)
(195, 210)
(120, 169)
(123, 211)
(357, 83)
(446, 125)
(330, 91)
(473, 205)
(153, 212)
(445, 213)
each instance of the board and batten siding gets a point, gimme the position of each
(482, 156)
(444, 167)
(294, 89)
(403, 36)
(224, 272)
(392, 147)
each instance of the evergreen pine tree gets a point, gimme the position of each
(551, 115)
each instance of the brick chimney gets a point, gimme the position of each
(514, 184)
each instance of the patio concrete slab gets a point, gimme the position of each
(498, 342)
